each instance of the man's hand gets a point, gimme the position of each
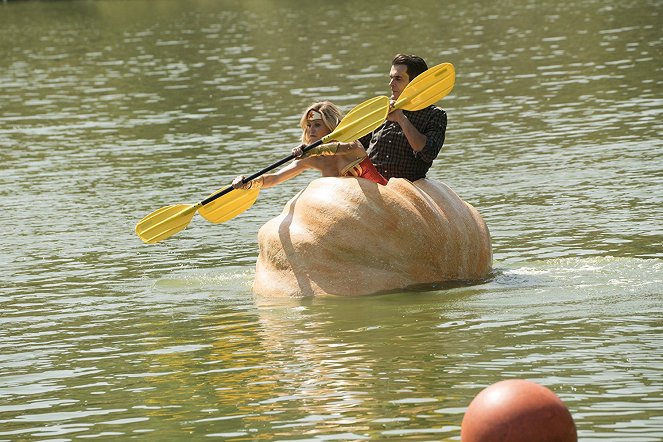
(416, 139)
(397, 116)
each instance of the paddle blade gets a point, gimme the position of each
(229, 205)
(427, 88)
(164, 222)
(363, 119)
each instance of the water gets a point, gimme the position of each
(110, 110)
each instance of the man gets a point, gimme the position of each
(408, 142)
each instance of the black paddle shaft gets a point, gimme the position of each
(227, 190)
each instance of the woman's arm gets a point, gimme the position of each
(290, 171)
(272, 179)
(333, 148)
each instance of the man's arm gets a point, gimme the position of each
(416, 139)
(434, 130)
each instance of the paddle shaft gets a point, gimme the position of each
(227, 190)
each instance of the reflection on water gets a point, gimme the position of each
(109, 112)
(195, 354)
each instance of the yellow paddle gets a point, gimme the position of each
(169, 220)
(426, 88)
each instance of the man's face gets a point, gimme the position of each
(398, 79)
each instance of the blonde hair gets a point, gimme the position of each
(331, 116)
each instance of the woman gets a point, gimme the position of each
(332, 160)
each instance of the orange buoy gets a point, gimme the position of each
(517, 411)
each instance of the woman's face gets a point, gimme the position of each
(315, 129)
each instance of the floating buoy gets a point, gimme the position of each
(517, 411)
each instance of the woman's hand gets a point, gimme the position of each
(253, 184)
(238, 184)
(297, 152)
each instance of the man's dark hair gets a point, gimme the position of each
(415, 65)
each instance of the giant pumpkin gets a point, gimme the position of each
(350, 236)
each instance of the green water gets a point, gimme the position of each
(112, 109)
